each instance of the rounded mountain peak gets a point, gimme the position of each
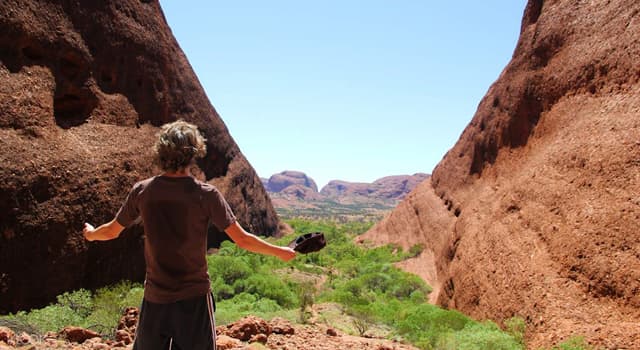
(280, 181)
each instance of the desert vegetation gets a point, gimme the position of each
(346, 286)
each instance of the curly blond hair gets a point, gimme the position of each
(178, 145)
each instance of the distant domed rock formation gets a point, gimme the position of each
(85, 85)
(391, 188)
(297, 185)
(280, 181)
(535, 211)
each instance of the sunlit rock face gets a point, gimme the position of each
(85, 86)
(535, 211)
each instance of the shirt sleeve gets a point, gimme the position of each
(129, 212)
(220, 213)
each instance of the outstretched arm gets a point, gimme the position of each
(104, 232)
(252, 243)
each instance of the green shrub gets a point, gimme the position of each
(109, 304)
(573, 343)
(485, 336)
(266, 286)
(244, 304)
(51, 318)
(306, 295)
(415, 250)
(516, 327)
(229, 268)
(80, 302)
(99, 311)
(220, 289)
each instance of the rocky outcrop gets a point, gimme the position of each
(85, 86)
(340, 188)
(297, 185)
(300, 192)
(279, 182)
(390, 188)
(397, 187)
(535, 211)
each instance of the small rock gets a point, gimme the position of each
(118, 344)
(124, 337)
(100, 346)
(259, 338)
(77, 334)
(129, 318)
(6, 334)
(247, 327)
(224, 342)
(280, 325)
(332, 332)
(24, 339)
(51, 335)
(95, 344)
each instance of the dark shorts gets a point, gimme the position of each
(184, 325)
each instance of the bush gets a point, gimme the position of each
(244, 304)
(485, 336)
(266, 286)
(516, 327)
(51, 318)
(99, 311)
(306, 296)
(415, 250)
(80, 302)
(109, 304)
(573, 343)
(228, 268)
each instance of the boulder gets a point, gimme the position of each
(77, 334)
(224, 342)
(7, 335)
(248, 327)
(280, 325)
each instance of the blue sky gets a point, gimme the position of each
(350, 90)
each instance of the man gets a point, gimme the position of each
(176, 209)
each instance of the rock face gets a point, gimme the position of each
(85, 86)
(300, 192)
(535, 211)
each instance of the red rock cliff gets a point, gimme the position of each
(535, 211)
(85, 85)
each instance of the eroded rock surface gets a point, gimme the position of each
(535, 211)
(85, 85)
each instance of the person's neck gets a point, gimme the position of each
(178, 173)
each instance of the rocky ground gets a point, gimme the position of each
(248, 333)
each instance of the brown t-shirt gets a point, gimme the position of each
(176, 212)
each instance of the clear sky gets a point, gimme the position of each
(352, 90)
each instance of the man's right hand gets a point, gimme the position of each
(287, 254)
